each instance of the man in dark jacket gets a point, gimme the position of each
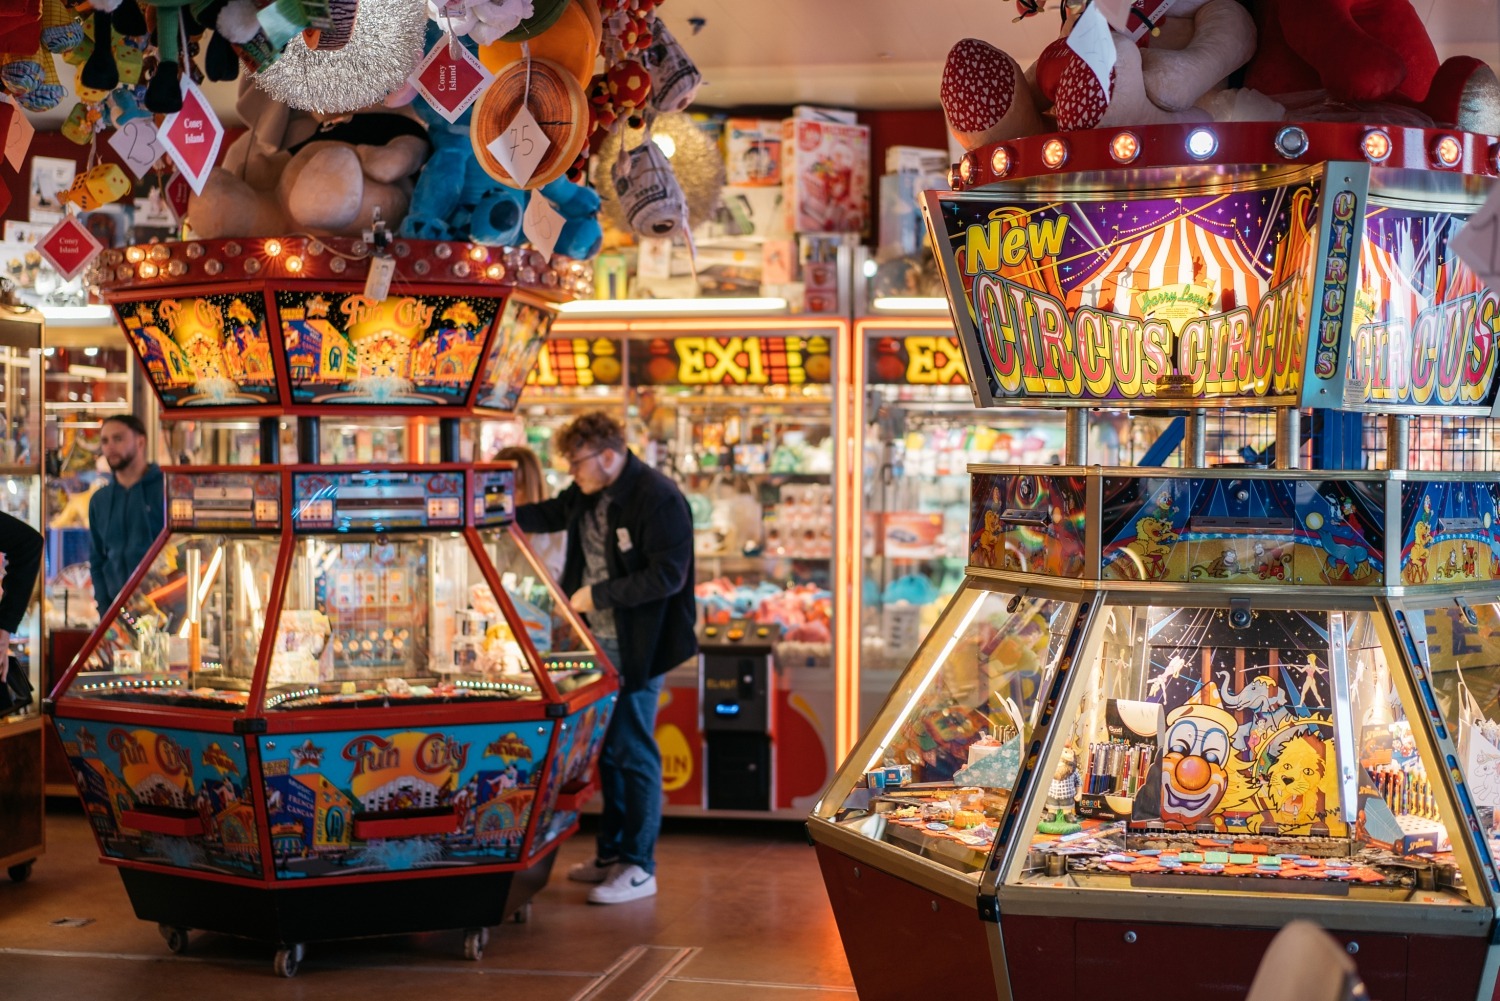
(127, 514)
(629, 570)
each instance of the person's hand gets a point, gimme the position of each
(583, 599)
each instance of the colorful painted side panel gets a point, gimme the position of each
(122, 769)
(578, 744)
(1449, 532)
(203, 351)
(1102, 300)
(321, 787)
(519, 335)
(1026, 522)
(417, 350)
(1424, 324)
(1260, 530)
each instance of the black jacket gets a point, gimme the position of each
(22, 546)
(650, 585)
(142, 515)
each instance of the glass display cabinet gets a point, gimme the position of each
(1169, 710)
(334, 700)
(22, 837)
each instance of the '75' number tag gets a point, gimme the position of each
(521, 146)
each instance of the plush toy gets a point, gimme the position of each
(1097, 74)
(1383, 53)
(294, 172)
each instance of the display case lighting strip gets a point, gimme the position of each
(667, 307)
(911, 304)
(78, 316)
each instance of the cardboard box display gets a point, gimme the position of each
(825, 176)
(752, 152)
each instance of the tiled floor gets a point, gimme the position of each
(741, 916)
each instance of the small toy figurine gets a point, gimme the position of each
(1062, 794)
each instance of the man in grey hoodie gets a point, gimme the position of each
(128, 513)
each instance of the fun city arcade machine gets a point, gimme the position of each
(1170, 710)
(334, 700)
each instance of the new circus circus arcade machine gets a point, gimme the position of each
(1170, 710)
(334, 701)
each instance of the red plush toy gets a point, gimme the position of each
(1368, 50)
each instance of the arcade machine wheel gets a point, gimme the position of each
(177, 938)
(475, 939)
(288, 958)
(21, 871)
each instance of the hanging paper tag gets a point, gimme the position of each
(176, 193)
(521, 146)
(69, 247)
(451, 78)
(378, 284)
(192, 136)
(137, 143)
(1092, 41)
(542, 224)
(18, 135)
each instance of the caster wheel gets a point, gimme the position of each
(523, 915)
(287, 960)
(21, 872)
(177, 938)
(475, 939)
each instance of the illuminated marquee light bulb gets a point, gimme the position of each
(1447, 151)
(495, 272)
(1124, 147)
(294, 264)
(273, 248)
(1377, 146)
(1201, 144)
(1000, 161)
(966, 169)
(1291, 142)
(148, 270)
(478, 253)
(1054, 153)
(135, 255)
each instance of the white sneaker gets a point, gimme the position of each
(627, 882)
(595, 870)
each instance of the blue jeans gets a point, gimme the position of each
(630, 775)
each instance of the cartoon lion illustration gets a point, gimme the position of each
(1299, 789)
(1415, 571)
(1152, 543)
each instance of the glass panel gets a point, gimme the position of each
(1207, 754)
(946, 767)
(1463, 645)
(189, 633)
(370, 621)
(564, 652)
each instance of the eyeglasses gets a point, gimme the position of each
(573, 464)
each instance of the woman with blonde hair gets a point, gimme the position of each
(551, 548)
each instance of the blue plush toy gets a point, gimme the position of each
(454, 199)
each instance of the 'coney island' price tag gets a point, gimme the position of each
(192, 136)
(451, 78)
(521, 146)
(69, 247)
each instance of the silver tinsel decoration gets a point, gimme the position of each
(385, 47)
(693, 156)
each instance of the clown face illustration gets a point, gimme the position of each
(1193, 776)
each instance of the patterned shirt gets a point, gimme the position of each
(595, 539)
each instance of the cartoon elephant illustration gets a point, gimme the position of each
(1262, 697)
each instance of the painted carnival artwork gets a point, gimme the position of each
(518, 340)
(1250, 744)
(1449, 532)
(1266, 531)
(1028, 523)
(203, 351)
(1104, 300)
(578, 745)
(348, 349)
(320, 790)
(197, 780)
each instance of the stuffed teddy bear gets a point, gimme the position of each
(293, 173)
(986, 97)
(1383, 53)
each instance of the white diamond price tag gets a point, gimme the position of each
(137, 143)
(542, 224)
(521, 146)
